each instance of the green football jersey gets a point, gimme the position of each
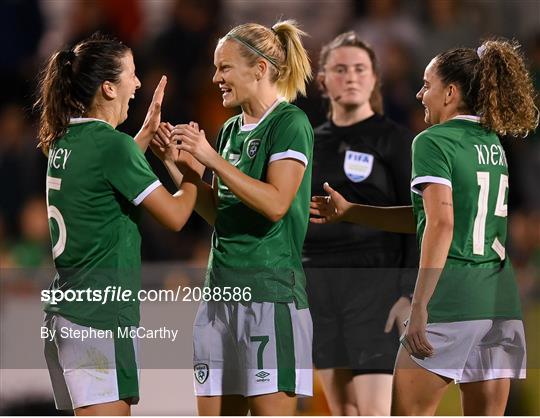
(477, 281)
(249, 250)
(96, 177)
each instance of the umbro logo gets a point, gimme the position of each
(262, 376)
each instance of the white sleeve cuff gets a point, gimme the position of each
(428, 179)
(146, 192)
(289, 154)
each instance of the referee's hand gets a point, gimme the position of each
(327, 209)
(398, 314)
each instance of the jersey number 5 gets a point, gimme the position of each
(54, 183)
(501, 209)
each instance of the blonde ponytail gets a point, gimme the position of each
(296, 70)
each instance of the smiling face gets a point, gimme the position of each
(432, 95)
(234, 76)
(126, 86)
(348, 77)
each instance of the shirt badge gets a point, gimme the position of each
(357, 165)
(201, 372)
(253, 147)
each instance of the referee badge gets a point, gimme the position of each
(201, 372)
(357, 165)
(253, 147)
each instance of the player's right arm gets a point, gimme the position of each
(436, 243)
(335, 208)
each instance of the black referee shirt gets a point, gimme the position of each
(368, 163)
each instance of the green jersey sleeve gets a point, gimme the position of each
(431, 161)
(219, 139)
(292, 138)
(126, 168)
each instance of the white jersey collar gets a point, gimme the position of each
(75, 121)
(470, 118)
(250, 126)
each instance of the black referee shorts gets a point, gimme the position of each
(349, 307)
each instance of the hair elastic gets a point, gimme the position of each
(480, 51)
(252, 48)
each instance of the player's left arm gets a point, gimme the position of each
(272, 198)
(436, 242)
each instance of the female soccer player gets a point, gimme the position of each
(254, 352)
(96, 178)
(366, 157)
(465, 323)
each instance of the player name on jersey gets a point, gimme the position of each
(493, 154)
(58, 158)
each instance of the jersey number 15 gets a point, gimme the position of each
(501, 209)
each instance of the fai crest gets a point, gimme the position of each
(253, 147)
(357, 165)
(201, 372)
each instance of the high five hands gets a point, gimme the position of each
(193, 140)
(161, 144)
(153, 116)
(328, 209)
(168, 150)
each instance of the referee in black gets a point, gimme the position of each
(359, 279)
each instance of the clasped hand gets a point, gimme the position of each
(166, 148)
(193, 140)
